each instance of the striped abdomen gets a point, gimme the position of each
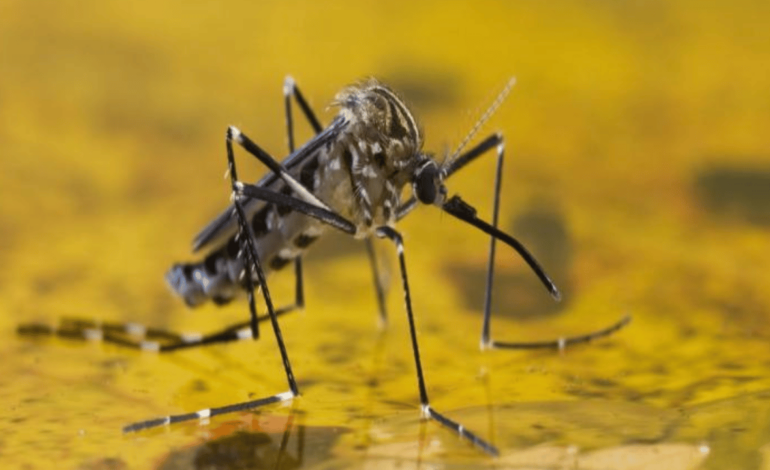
(280, 238)
(281, 234)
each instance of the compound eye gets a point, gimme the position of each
(425, 185)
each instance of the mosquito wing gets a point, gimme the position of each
(225, 225)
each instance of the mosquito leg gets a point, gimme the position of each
(290, 90)
(253, 268)
(473, 153)
(562, 343)
(326, 216)
(463, 211)
(247, 237)
(140, 337)
(379, 289)
(496, 141)
(207, 413)
(427, 410)
(485, 339)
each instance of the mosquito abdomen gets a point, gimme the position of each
(280, 237)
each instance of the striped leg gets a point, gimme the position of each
(428, 411)
(246, 238)
(496, 141)
(252, 261)
(254, 269)
(290, 90)
(140, 337)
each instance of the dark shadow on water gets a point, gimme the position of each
(517, 293)
(295, 447)
(736, 193)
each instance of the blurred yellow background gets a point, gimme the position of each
(638, 171)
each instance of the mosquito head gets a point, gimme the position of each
(428, 181)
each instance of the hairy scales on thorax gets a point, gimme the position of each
(358, 166)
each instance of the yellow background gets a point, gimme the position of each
(638, 171)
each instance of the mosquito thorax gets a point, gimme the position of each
(381, 125)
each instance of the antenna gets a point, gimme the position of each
(482, 120)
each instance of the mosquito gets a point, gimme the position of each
(349, 177)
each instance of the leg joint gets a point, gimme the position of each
(390, 233)
(233, 134)
(289, 85)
